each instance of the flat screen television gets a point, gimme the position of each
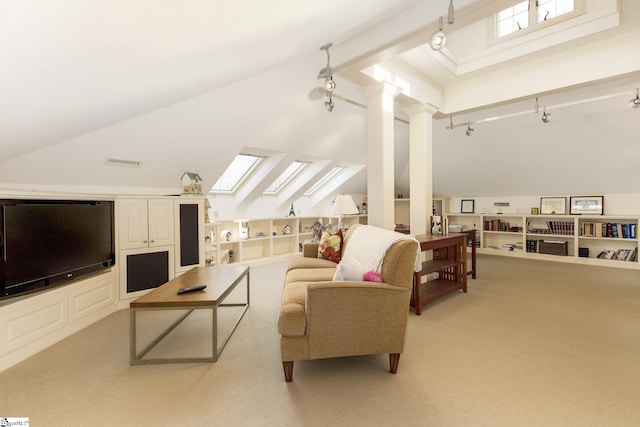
(49, 242)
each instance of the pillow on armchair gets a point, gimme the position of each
(330, 246)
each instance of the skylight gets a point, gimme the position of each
(285, 177)
(322, 181)
(239, 169)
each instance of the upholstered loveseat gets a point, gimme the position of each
(322, 318)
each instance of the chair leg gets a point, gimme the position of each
(394, 358)
(288, 371)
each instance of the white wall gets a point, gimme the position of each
(614, 204)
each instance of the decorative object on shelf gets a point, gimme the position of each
(534, 211)
(291, 211)
(436, 224)
(207, 206)
(553, 205)
(467, 206)
(317, 230)
(191, 183)
(231, 256)
(228, 236)
(287, 229)
(343, 205)
(587, 205)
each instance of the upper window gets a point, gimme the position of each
(322, 181)
(513, 18)
(285, 177)
(548, 9)
(239, 170)
(522, 14)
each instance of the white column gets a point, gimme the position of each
(420, 166)
(380, 153)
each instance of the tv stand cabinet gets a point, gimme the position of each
(449, 263)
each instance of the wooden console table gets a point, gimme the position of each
(450, 264)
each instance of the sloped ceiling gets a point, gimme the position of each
(186, 86)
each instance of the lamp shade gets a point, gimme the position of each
(344, 205)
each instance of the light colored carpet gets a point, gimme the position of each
(533, 343)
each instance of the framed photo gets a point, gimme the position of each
(586, 205)
(535, 211)
(467, 206)
(553, 205)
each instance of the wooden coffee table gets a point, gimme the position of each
(220, 281)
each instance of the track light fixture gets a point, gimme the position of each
(545, 116)
(635, 102)
(450, 16)
(329, 104)
(469, 129)
(329, 83)
(438, 39)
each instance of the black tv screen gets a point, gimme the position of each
(46, 242)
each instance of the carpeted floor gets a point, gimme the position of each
(533, 343)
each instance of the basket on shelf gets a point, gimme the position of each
(553, 247)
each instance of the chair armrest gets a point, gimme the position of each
(310, 250)
(355, 317)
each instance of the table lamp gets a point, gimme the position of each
(343, 205)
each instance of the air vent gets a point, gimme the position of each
(123, 163)
(501, 204)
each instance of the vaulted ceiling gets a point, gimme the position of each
(186, 86)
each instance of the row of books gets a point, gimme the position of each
(564, 228)
(609, 229)
(498, 225)
(620, 254)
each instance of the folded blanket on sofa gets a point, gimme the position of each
(368, 245)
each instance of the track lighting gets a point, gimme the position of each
(329, 105)
(469, 129)
(545, 117)
(635, 102)
(329, 83)
(450, 20)
(438, 39)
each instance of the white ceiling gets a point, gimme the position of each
(186, 86)
(70, 67)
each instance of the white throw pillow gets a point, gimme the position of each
(348, 269)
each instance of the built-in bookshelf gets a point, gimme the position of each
(596, 240)
(261, 239)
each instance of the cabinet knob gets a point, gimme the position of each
(152, 241)
(144, 241)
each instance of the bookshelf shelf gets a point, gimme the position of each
(257, 240)
(587, 239)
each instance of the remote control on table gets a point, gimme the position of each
(191, 289)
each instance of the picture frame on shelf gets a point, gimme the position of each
(553, 205)
(467, 206)
(586, 205)
(535, 211)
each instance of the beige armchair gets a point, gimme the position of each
(320, 318)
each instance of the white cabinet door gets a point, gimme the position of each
(145, 223)
(133, 223)
(161, 231)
